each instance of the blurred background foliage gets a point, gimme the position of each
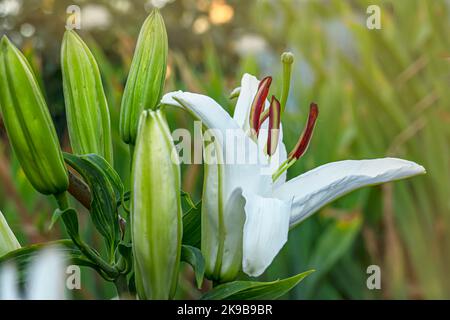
(381, 93)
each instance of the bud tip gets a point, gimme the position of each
(287, 57)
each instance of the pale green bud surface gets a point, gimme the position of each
(156, 209)
(147, 75)
(28, 123)
(87, 111)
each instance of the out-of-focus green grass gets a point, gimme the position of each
(380, 93)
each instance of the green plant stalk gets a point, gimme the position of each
(111, 271)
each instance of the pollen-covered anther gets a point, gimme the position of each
(303, 142)
(258, 104)
(274, 126)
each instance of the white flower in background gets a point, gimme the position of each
(45, 278)
(95, 16)
(246, 214)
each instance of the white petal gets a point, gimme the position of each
(201, 107)
(8, 283)
(234, 217)
(46, 277)
(265, 232)
(246, 174)
(316, 188)
(249, 87)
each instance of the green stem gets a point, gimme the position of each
(63, 204)
(122, 287)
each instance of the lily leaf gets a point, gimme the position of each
(253, 290)
(107, 192)
(194, 257)
(192, 226)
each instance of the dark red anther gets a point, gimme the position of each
(258, 104)
(274, 126)
(303, 142)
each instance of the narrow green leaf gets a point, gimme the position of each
(194, 257)
(253, 290)
(107, 191)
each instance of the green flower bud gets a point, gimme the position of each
(145, 82)
(86, 107)
(8, 241)
(28, 123)
(156, 209)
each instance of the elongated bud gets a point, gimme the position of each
(145, 82)
(156, 209)
(8, 241)
(258, 104)
(303, 142)
(274, 126)
(28, 123)
(87, 111)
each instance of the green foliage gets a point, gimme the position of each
(252, 290)
(106, 193)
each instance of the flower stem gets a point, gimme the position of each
(63, 204)
(122, 287)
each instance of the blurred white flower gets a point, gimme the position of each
(8, 283)
(95, 17)
(250, 44)
(10, 7)
(45, 278)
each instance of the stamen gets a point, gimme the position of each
(258, 104)
(287, 58)
(274, 126)
(303, 142)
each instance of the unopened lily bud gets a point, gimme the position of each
(8, 241)
(87, 111)
(145, 82)
(156, 218)
(28, 123)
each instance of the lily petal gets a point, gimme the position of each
(249, 87)
(201, 107)
(265, 231)
(245, 174)
(318, 187)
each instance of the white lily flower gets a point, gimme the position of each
(246, 215)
